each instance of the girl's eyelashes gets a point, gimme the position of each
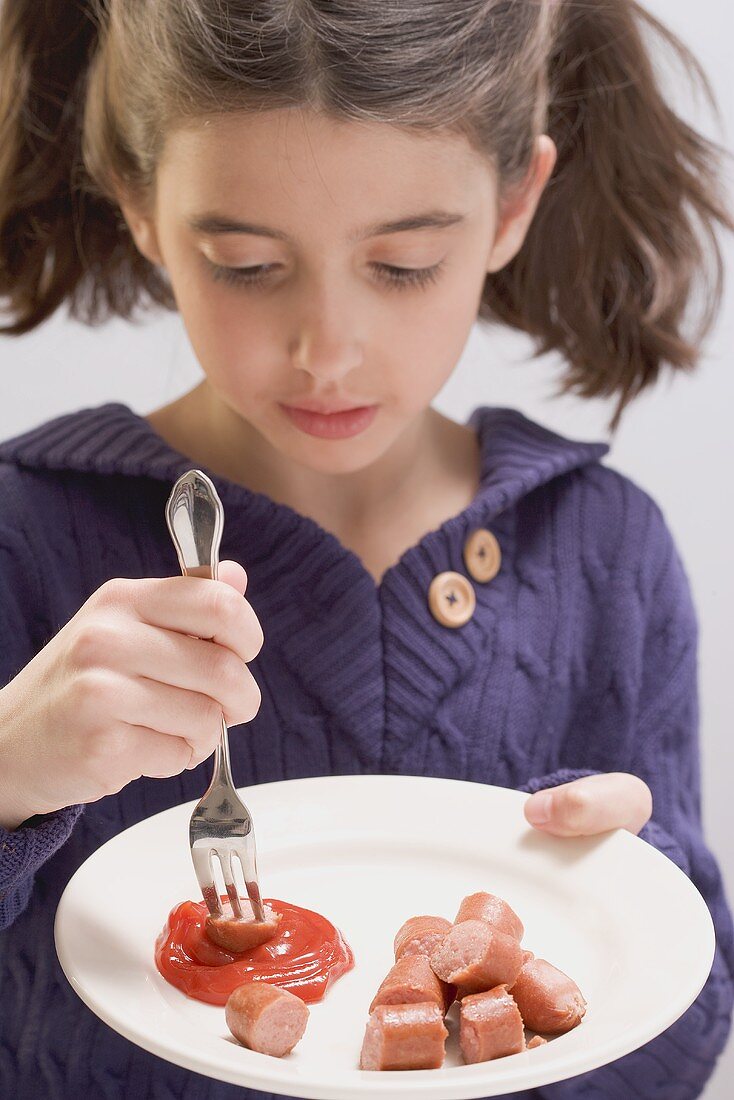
(400, 277)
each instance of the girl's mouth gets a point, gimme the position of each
(339, 425)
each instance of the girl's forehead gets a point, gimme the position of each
(305, 160)
(296, 131)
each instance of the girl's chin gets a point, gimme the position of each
(324, 456)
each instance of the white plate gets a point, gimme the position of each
(369, 851)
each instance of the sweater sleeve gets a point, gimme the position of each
(24, 629)
(676, 1064)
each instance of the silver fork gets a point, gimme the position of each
(221, 824)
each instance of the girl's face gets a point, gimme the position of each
(320, 312)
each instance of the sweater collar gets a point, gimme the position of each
(517, 454)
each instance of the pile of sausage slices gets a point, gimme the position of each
(478, 961)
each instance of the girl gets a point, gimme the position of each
(330, 194)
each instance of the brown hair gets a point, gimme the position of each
(624, 232)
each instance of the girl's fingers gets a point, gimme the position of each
(194, 664)
(593, 804)
(231, 572)
(201, 608)
(155, 754)
(194, 716)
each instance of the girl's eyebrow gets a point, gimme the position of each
(215, 224)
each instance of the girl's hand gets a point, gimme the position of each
(134, 684)
(592, 805)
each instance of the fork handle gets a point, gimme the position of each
(195, 519)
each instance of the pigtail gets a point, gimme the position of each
(58, 239)
(619, 240)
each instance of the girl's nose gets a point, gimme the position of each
(327, 343)
(327, 359)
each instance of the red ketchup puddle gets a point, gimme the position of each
(306, 955)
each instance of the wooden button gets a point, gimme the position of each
(451, 599)
(482, 555)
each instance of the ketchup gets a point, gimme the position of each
(305, 955)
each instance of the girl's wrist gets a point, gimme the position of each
(13, 809)
(10, 823)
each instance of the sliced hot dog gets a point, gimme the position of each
(412, 980)
(548, 999)
(419, 935)
(490, 1026)
(496, 911)
(476, 957)
(463, 991)
(409, 1036)
(240, 934)
(266, 1018)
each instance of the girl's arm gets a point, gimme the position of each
(23, 632)
(666, 756)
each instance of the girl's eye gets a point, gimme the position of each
(394, 276)
(408, 276)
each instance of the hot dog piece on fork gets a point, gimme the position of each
(419, 935)
(408, 1036)
(490, 1026)
(476, 957)
(266, 1018)
(549, 1001)
(242, 933)
(410, 981)
(495, 910)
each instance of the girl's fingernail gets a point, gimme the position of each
(538, 808)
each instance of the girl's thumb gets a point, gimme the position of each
(231, 572)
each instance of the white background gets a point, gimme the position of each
(677, 443)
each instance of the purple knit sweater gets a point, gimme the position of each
(581, 657)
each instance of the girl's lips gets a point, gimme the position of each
(340, 425)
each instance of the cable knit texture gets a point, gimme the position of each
(580, 657)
